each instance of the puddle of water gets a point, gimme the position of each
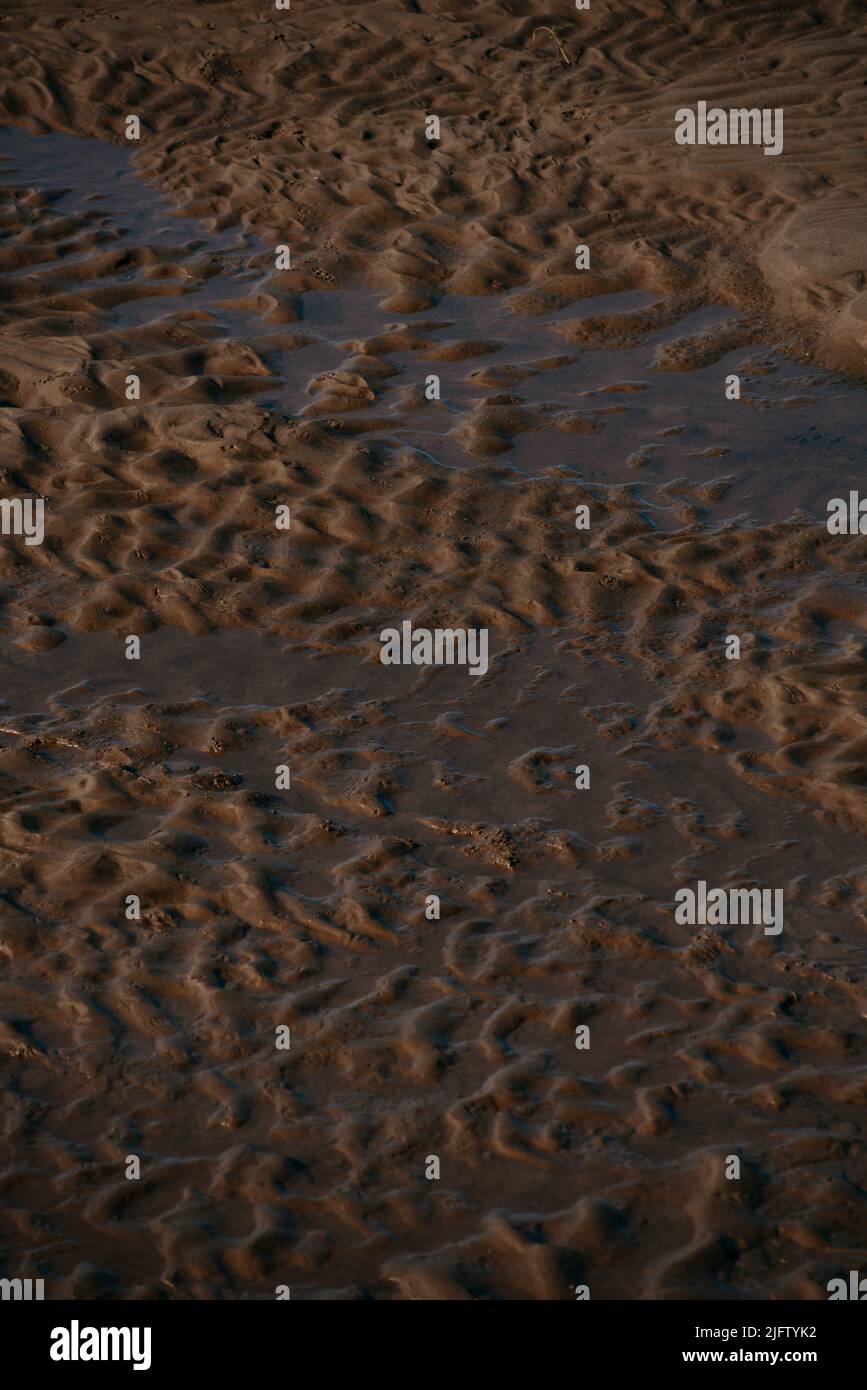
(82, 176)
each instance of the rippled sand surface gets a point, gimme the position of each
(305, 907)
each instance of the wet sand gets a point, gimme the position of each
(259, 648)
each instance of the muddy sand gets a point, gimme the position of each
(307, 906)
